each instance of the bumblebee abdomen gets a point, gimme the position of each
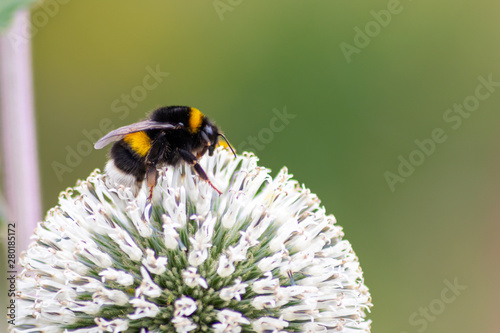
(126, 160)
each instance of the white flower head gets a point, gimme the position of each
(263, 256)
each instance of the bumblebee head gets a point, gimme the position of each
(209, 136)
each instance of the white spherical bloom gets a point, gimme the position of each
(263, 256)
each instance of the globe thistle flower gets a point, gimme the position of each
(261, 257)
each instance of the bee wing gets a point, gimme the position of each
(120, 133)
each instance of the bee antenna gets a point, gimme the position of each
(231, 147)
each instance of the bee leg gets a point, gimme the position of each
(151, 177)
(189, 158)
(201, 152)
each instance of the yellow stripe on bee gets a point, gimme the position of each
(140, 142)
(195, 120)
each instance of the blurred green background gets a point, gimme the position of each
(352, 114)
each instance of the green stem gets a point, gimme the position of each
(19, 146)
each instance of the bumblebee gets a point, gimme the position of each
(171, 135)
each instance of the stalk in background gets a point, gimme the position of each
(18, 135)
